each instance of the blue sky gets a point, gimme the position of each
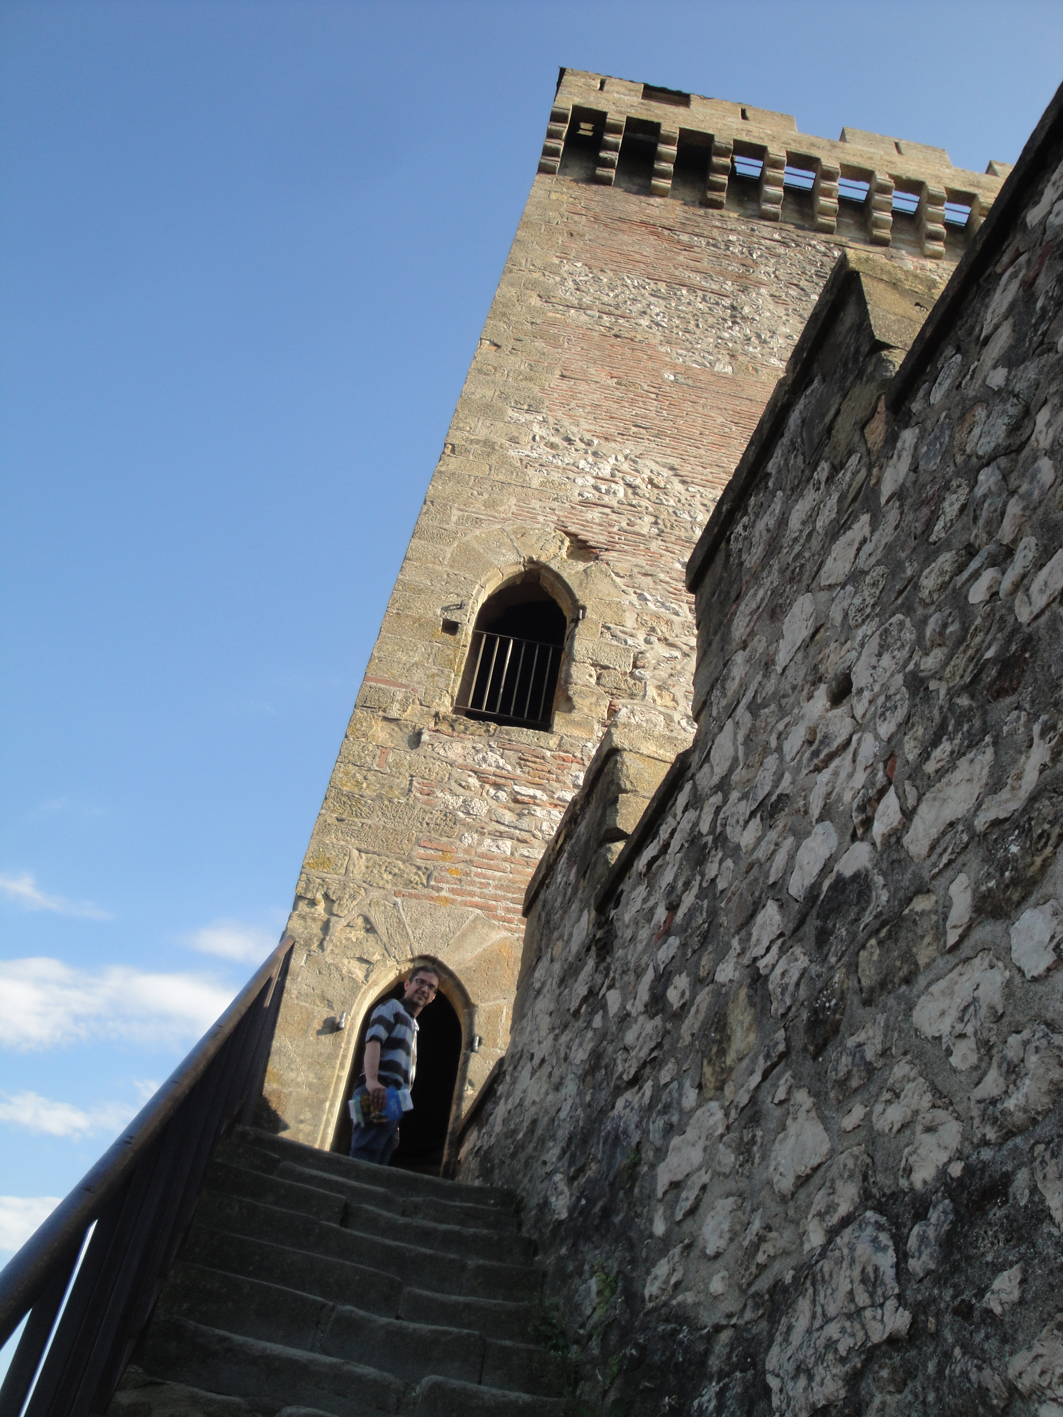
(247, 249)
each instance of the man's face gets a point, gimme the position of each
(421, 988)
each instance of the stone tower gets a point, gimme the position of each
(668, 256)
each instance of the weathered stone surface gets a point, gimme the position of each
(1025, 1079)
(812, 855)
(1048, 1173)
(1037, 1371)
(1004, 1292)
(961, 1008)
(848, 1303)
(1034, 938)
(949, 801)
(926, 1242)
(847, 1189)
(800, 1147)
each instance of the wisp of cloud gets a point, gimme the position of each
(228, 939)
(27, 893)
(60, 1119)
(44, 1003)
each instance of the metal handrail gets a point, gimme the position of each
(137, 1201)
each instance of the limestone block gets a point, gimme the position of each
(1024, 1081)
(847, 1188)
(800, 1148)
(886, 652)
(961, 1008)
(848, 1303)
(721, 1223)
(687, 1152)
(949, 801)
(1035, 937)
(1048, 1173)
(1037, 1371)
(926, 1241)
(812, 855)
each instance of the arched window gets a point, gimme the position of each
(515, 655)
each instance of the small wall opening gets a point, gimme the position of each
(854, 184)
(514, 658)
(904, 231)
(583, 143)
(675, 97)
(422, 1132)
(799, 178)
(743, 190)
(638, 152)
(690, 177)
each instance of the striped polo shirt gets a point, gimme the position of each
(396, 1032)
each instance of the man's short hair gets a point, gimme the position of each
(424, 969)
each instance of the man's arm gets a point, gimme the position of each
(377, 1092)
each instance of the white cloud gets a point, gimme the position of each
(60, 1119)
(230, 940)
(27, 893)
(20, 1216)
(44, 1002)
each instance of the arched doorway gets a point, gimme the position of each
(423, 1132)
(514, 658)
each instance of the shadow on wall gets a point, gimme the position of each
(423, 1133)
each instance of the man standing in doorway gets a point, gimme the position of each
(390, 1061)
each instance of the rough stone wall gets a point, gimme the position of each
(626, 358)
(783, 1094)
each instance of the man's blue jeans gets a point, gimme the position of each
(375, 1142)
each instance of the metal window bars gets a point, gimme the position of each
(86, 1281)
(510, 680)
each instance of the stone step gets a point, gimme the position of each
(494, 1318)
(140, 1395)
(341, 1282)
(276, 1150)
(335, 1207)
(255, 1309)
(266, 1375)
(433, 1270)
(478, 1217)
(443, 1397)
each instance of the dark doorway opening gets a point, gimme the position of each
(422, 1132)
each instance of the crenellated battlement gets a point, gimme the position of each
(865, 188)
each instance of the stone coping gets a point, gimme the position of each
(618, 738)
(655, 809)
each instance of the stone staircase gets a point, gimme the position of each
(313, 1284)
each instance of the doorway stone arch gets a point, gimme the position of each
(460, 1007)
(350, 945)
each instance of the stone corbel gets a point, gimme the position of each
(664, 162)
(556, 130)
(771, 185)
(880, 209)
(979, 210)
(930, 222)
(613, 136)
(825, 197)
(719, 173)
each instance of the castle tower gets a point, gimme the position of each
(669, 254)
